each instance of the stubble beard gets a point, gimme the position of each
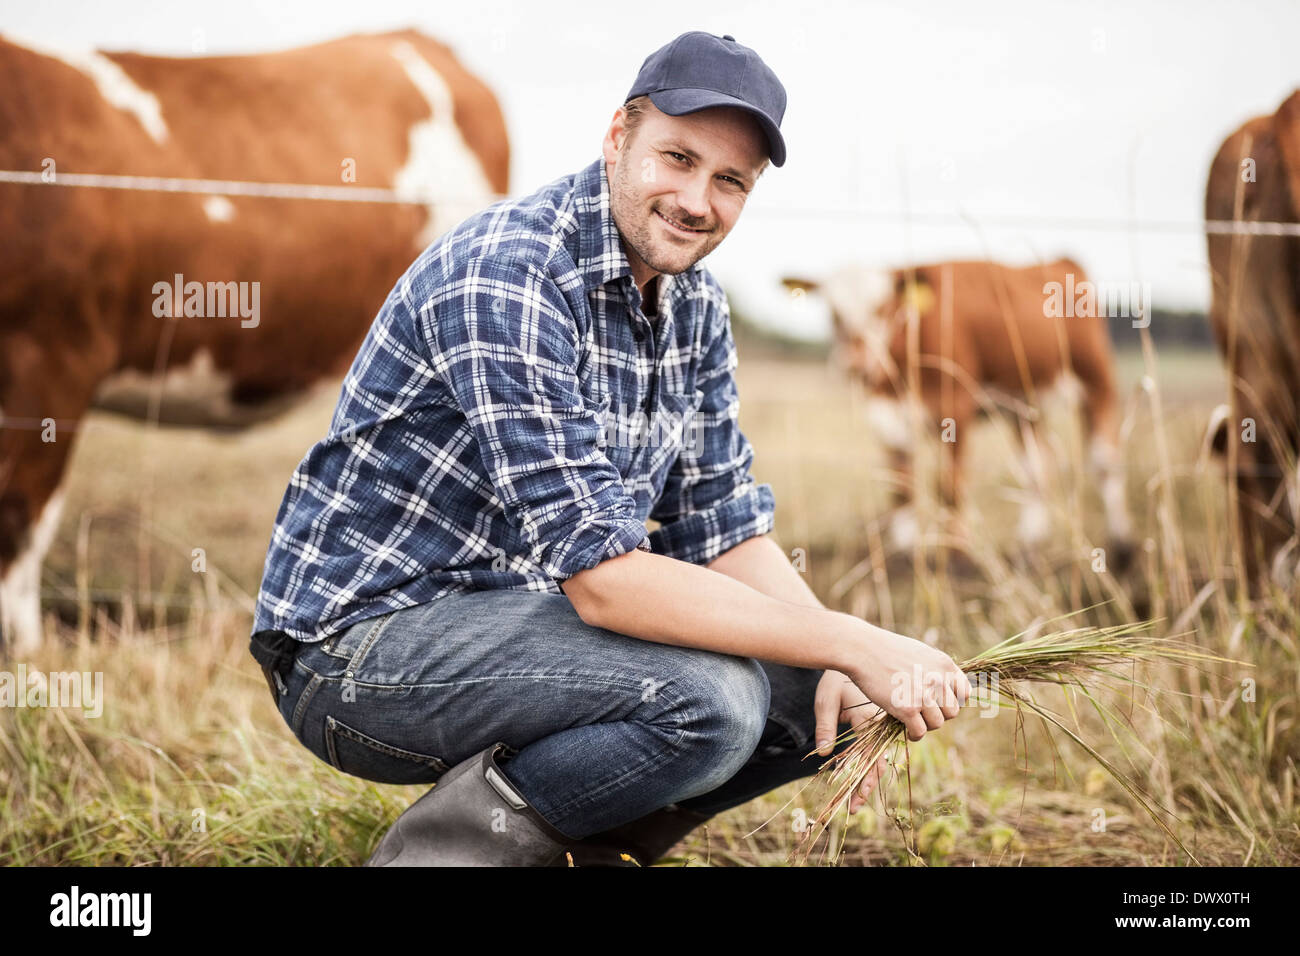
(636, 231)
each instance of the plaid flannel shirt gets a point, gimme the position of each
(513, 418)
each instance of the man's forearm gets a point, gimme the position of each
(760, 563)
(658, 598)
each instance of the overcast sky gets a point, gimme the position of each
(966, 112)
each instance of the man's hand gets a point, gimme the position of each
(839, 701)
(763, 565)
(920, 685)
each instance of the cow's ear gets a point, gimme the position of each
(905, 279)
(794, 283)
(1286, 128)
(1216, 433)
(914, 289)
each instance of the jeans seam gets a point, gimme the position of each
(329, 745)
(367, 642)
(300, 710)
(494, 678)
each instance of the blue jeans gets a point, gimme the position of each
(608, 727)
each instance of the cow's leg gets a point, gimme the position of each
(1106, 460)
(904, 527)
(1035, 521)
(954, 436)
(20, 585)
(889, 424)
(44, 394)
(1262, 507)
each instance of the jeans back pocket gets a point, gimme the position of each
(362, 755)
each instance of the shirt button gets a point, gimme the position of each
(639, 335)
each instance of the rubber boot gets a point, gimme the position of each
(473, 816)
(638, 843)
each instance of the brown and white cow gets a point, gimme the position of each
(985, 337)
(80, 268)
(1255, 312)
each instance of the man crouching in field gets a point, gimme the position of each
(460, 587)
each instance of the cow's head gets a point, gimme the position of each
(1286, 127)
(868, 309)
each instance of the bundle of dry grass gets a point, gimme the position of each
(1085, 659)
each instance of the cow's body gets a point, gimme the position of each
(1255, 312)
(983, 340)
(82, 267)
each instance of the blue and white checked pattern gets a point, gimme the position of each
(513, 418)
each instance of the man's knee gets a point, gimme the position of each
(743, 697)
(725, 701)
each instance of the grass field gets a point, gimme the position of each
(190, 764)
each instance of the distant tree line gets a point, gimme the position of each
(1168, 327)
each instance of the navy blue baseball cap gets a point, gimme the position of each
(699, 70)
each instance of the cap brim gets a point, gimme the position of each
(681, 102)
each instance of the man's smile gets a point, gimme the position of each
(678, 227)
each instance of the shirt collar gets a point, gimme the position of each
(601, 258)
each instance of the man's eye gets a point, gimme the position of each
(678, 156)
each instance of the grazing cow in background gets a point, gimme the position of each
(96, 303)
(1255, 312)
(982, 331)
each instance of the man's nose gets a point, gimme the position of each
(693, 197)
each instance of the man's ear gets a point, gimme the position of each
(615, 136)
(794, 283)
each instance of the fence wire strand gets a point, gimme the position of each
(371, 194)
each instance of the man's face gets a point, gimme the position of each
(678, 183)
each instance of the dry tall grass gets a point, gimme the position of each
(190, 764)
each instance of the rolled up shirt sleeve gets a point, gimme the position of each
(505, 344)
(710, 502)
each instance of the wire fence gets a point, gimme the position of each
(370, 194)
(236, 187)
